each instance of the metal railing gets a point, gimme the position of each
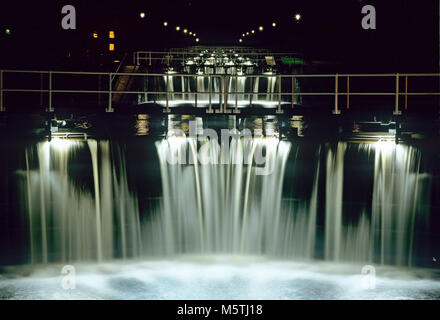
(284, 94)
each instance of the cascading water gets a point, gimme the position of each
(265, 89)
(68, 223)
(222, 226)
(213, 207)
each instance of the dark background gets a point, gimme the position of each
(406, 39)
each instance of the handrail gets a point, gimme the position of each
(223, 90)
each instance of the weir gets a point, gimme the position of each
(206, 207)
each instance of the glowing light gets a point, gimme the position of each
(274, 24)
(8, 31)
(177, 28)
(185, 30)
(253, 31)
(194, 34)
(111, 34)
(243, 35)
(260, 28)
(61, 144)
(385, 146)
(142, 15)
(95, 35)
(190, 33)
(197, 39)
(247, 33)
(240, 40)
(165, 24)
(111, 47)
(298, 17)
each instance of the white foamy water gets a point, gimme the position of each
(217, 277)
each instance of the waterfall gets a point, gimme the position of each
(219, 203)
(219, 208)
(69, 223)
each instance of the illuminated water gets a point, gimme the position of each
(219, 277)
(223, 231)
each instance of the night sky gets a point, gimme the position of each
(406, 39)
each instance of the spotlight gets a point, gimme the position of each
(260, 28)
(165, 24)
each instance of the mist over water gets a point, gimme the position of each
(209, 210)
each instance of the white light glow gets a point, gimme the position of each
(142, 15)
(260, 28)
(298, 17)
(274, 24)
(385, 146)
(61, 144)
(165, 23)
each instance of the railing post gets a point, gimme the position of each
(2, 108)
(210, 94)
(251, 89)
(406, 92)
(154, 89)
(293, 92)
(336, 110)
(109, 105)
(167, 109)
(348, 92)
(50, 108)
(397, 112)
(197, 93)
(279, 111)
(236, 95)
(220, 93)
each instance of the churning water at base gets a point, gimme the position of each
(218, 277)
(212, 209)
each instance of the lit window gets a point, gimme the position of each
(111, 47)
(111, 34)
